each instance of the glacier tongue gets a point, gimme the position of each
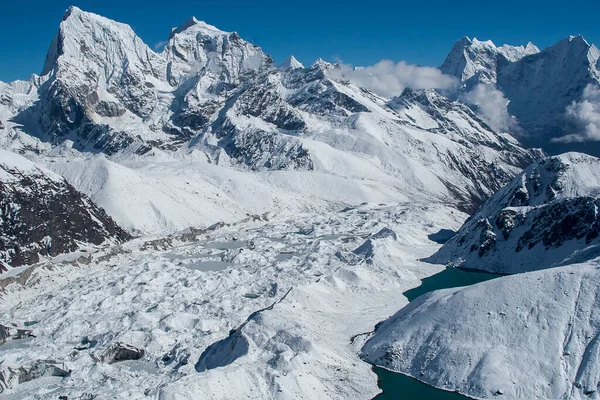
(175, 296)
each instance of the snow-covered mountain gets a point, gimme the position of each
(212, 99)
(42, 215)
(539, 86)
(547, 216)
(474, 61)
(282, 212)
(290, 63)
(525, 336)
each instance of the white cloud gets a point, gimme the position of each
(160, 45)
(491, 105)
(585, 116)
(388, 79)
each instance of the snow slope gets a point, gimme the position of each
(547, 216)
(526, 336)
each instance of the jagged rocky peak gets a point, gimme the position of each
(95, 68)
(99, 46)
(546, 217)
(542, 85)
(42, 215)
(476, 61)
(515, 53)
(290, 63)
(409, 94)
(322, 64)
(197, 47)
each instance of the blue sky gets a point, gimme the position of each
(357, 32)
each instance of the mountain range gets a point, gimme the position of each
(211, 98)
(174, 221)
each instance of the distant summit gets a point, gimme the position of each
(290, 63)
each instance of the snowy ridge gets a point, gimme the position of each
(547, 216)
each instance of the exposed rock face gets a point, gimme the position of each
(547, 216)
(41, 214)
(118, 351)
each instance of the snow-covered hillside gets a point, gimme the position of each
(280, 213)
(526, 336)
(547, 216)
(42, 215)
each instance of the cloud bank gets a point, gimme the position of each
(389, 79)
(585, 116)
(491, 105)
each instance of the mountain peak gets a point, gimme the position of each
(578, 39)
(85, 37)
(290, 63)
(322, 64)
(483, 43)
(70, 11)
(477, 60)
(195, 25)
(187, 24)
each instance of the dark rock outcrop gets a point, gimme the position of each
(42, 215)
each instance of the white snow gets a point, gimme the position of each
(152, 293)
(290, 63)
(12, 165)
(527, 336)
